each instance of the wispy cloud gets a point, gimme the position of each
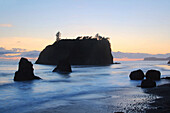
(6, 25)
(16, 53)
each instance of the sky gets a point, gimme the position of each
(137, 26)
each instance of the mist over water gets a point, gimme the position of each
(87, 88)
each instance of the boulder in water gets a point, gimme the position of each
(25, 71)
(153, 74)
(148, 83)
(166, 78)
(169, 62)
(63, 67)
(137, 75)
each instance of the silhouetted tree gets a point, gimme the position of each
(78, 38)
(97, 36)
(58, 36)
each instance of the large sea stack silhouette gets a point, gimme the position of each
(85, 50)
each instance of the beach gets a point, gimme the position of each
(162, 104)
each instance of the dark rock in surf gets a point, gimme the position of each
(63, 67)
(148, 83)
(166, 78)
(153, 74)
(169, 62)
(25, 71)
(116, 63)
(137, 75)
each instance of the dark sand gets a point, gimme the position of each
(162, 104)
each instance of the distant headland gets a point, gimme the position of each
(156, 59)
(84, 50)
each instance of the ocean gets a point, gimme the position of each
(88, 89)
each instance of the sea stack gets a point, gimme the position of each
(25, 71)
(169, 62)
(81, 51)
(63, 67)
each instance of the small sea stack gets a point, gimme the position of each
(168, 78)
(137, 75)
(25, 71)
(148, 83)
(63, 67)
(169, 62)
(153, 74)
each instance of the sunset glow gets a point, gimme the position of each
(126, 59)
(133, 26)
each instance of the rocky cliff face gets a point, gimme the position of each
(78, 52)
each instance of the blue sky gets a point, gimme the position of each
(133, 25)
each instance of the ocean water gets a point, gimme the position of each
(100, 89)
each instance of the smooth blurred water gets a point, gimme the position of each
(106, 87)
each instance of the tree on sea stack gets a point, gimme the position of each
(25, 71)
(58, 35)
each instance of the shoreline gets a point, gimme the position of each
(161, 104)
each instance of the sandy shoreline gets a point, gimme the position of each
(127, 100)
(161, 104)
(153, 100)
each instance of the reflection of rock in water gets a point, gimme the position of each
(25, 71)
(79, 52)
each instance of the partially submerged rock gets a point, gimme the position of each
(137, 75)
(116, 63)
(25, 71)
(148, 83)
(166, 78)
(153, 74)
(169, 62)
(63, 67)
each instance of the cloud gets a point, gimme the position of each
(18, 50)
(6, 25)
(17, 53)
(3, 51)
(30, 54)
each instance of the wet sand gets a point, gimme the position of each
(127, 100)
(132, 100)
(162, 104)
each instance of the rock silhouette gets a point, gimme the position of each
(63, 67)
(169, 62)
(25, 71)
(148, 83)
(166, 78)
(78, 51)
(153, 74)
(137, 75)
